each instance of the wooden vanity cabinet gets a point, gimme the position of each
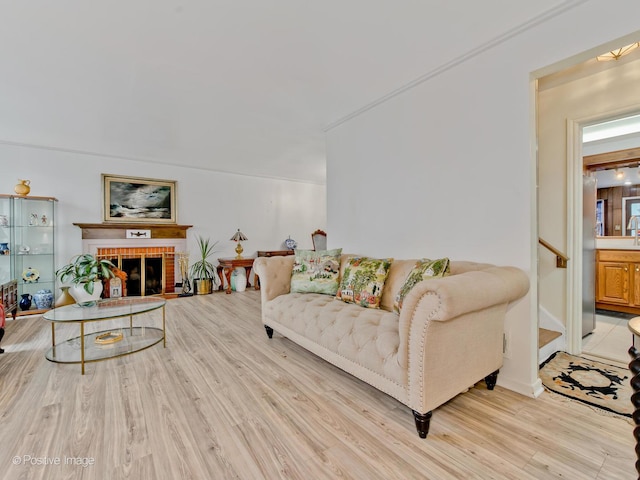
(618, 280)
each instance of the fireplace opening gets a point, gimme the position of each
(149, 272)
(152, 277)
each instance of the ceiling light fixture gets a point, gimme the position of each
(619, 174)
(618, 52)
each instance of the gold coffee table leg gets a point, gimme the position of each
(53, 334)
(164, 331)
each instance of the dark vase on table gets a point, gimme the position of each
(25, 303)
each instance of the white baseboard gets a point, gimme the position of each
(533, 390)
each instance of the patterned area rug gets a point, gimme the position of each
(598, 384)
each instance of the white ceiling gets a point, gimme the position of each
(230, 85)
(610, 129)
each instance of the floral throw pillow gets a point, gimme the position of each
(316, 271)
(363, 280)
(422, 270)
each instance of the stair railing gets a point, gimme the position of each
(561, 258)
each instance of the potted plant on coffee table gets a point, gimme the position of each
(86, 272)
(203, 272)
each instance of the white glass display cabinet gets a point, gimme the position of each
(27, 249)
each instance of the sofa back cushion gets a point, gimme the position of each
(397, 276)
(399, 271)
(422, 270)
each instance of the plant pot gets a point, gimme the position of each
(64, 298)
(82, 297)
(202, 286)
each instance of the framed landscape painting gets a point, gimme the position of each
(138, 200)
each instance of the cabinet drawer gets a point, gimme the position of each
(630, 256)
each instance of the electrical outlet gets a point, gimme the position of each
(506, 345)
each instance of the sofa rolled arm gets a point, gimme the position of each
(275, 275)
(455, 295)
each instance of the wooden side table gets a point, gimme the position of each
(227, 265)
(275, 253)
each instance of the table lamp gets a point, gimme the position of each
(239, 237)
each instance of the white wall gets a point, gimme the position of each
(445, 167)
(266, 210)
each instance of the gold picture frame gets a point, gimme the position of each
(138, 200)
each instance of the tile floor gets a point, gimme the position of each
(611, 338)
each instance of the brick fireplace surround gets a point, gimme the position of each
(109, 240)
(166, 253)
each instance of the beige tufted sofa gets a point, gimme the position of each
(448, 336)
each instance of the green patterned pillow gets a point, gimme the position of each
(423, 270)
(363, 280)
(316, 271)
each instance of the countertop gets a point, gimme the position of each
(616, 243)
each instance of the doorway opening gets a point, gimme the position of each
(612, 210)
(572, 96)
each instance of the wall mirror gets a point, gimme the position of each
(611, 153)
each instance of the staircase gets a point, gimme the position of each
(549, 342)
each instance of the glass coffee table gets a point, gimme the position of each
(117, 342)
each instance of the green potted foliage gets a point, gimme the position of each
(203, 272)
(86, 272)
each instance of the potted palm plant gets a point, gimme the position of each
(86, 272)
(203, 272)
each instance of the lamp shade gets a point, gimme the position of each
(239, 237)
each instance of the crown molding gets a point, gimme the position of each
(523, 27)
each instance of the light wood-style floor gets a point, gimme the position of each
(222, 401)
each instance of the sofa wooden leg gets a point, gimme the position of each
(269, 331)
(491, 380)
(422, 422)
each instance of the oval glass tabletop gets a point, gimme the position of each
(108, 308)
(129, 340)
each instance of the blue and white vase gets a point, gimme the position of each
(43, 299)
(290, 243)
